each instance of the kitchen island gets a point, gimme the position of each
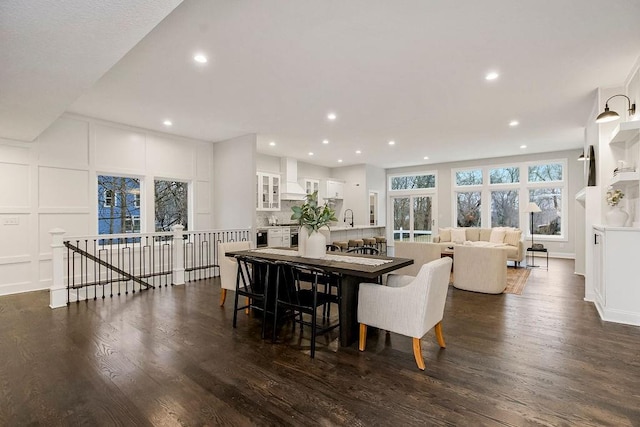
(345, 233)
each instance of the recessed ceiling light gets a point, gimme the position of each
(326, 141)
(358, 152)
(167, 123)
(200, 58)
(523, 146)
(491, 75)
(332, 116)
(392, 143)
(426, 157)
(311, 153)
(339, 160)
(272, 143)
(513, 123)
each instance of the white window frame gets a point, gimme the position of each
(414, 192)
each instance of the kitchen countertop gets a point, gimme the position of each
(332, 228)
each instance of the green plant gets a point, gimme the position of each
(312, 215)
(614, 197)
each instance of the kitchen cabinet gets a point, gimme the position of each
(335, 189)
(615, 273)
(279, 237)
(268, 192)
(311, 185)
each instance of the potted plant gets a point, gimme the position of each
(616, 217)
(311, 216)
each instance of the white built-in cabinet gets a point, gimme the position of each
(616, 273)
(268, 192)
(335, 189)
(311, 185)
(625, 151)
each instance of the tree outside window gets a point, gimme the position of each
(469, 204)
(545, 172)
(469, 177)
(171, 204)
(505, 210)
(549, 220)
(117, 206)
(504, 175)
(413, 182)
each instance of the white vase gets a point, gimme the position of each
(616, 217)
(303, 236)
(316, 246)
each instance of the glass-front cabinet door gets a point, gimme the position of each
(268, 192)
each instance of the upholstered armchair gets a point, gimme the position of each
(407, 307)
(420, 253)
(480, 269)
(229, 266)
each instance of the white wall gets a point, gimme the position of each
(377, 182)
(52, 183)
(234, 183)
(356, 194)
(445, 203)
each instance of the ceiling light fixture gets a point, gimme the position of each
(523, 146)
(272, 143)
(426, 157)
(491, 76)
(332, 116)
(167, 123)
(311, 153)
(609, 116)
(514, 123)
(392, 143)
(339, 160)
(326, 141)
(358, 152)
(200, 58)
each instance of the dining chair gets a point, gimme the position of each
(252, 282)
(366, 250)
(297, 302)
(229, 266)
(407, 307)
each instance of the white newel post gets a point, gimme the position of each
(58, 290)
(178, 254)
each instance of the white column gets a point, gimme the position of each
(58, 290)
(178, 254)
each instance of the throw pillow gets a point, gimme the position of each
(445, 234)
(458, 235)
(512, 237)
(497, 235)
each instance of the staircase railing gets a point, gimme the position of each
(92, 267)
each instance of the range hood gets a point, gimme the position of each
(291, 190)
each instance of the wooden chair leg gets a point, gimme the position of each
(417, 353)
(362, 343)
(223, 296)
(246, 310)
(439, 336)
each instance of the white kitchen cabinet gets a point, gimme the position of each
(335, 189)
(279, 237)
(311, 185)
(268, 192)
(616, 272)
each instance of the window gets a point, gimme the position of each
(136, 200)
(548, 222)
(504, 175)
(469, 177)
(468, 209)
(413, 182)
(116, 204)
(132, 224)
(171, 204)
(505, 211)
(545, 172)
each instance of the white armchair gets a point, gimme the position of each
(407, 307)
(229, 266)
(421, 253)
(480, 269)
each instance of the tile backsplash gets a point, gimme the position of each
(283, 216)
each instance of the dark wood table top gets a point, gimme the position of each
(331, 265)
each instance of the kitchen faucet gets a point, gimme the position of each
(345, 216)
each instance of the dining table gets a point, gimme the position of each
(353, 270)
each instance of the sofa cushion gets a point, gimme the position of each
(458, 235)
(485, 234)
(497, 235)
(472, 233)
(445, 234)
(512, 237)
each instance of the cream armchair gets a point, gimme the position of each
(229, 266)
(420, 253)
(480, 269)
(409, 309)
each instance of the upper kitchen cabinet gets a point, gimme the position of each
(311, 185)
(268, 192)
(335, 189)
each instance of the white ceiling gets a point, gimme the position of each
(409, 71)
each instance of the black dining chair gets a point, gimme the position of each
(333, 248)
(300, 303)
(252, 282)
(365, 250)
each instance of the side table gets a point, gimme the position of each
(531, 255)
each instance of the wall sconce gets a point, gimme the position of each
(582, 158)
(609, 116)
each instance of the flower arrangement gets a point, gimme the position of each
(311, 215)
(614, 197)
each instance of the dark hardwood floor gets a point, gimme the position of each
(170, 357)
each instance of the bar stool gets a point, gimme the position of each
(381, 244)
(354, 243)
(369, 241)
(342, 245)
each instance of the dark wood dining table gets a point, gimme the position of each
(352, 275)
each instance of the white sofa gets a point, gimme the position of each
(506, 238)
